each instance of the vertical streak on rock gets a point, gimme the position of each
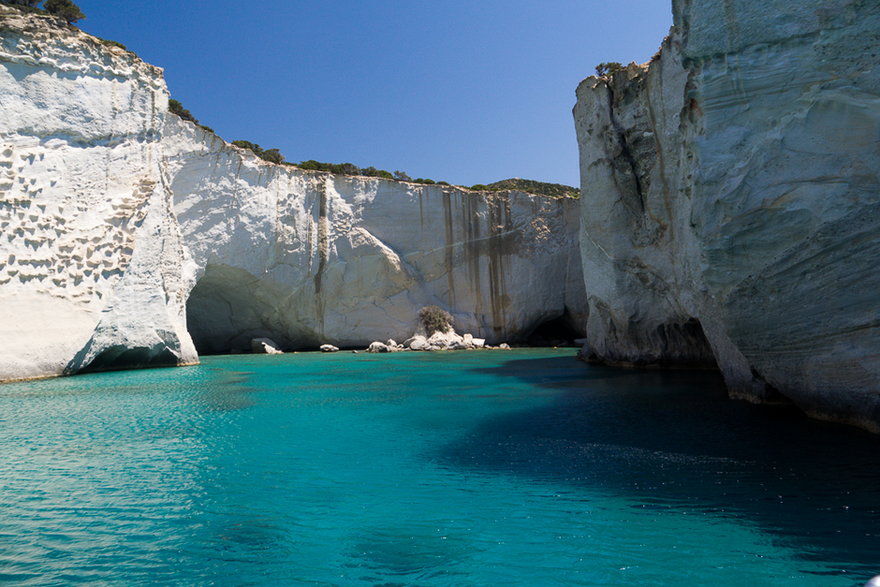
(323, 248)
(733, 41)
(732, 25)
(310, 224)
(450, 244)
(472, 249)
(499, 227)
(658, 148)
(625, 152)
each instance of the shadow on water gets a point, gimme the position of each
(672, 441)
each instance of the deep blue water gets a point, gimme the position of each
(522, 467)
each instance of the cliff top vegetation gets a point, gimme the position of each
(608, 68)
(554, 190)
(540, 188)
(65, 9)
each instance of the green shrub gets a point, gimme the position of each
(110, 43)
(541, 188)
(257, 150)
(344, 169)
(373, 172)
(177, 108)
(311, 165)
(435, 319)
(28, 3)
(608, 68)
(272, 156)
(29, 6)
(352, 169)
(65, 9)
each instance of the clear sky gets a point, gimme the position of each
(467, 91)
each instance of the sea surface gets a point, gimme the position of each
(522, 467)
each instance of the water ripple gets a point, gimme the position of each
(524, 468)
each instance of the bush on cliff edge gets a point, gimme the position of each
(63, 8)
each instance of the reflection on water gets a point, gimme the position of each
(525, 467)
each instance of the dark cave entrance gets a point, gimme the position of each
(559, 331)
(685, 345)
(229, 307)
(120, 357)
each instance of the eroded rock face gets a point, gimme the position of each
(307, 257)
(86, 229)
(124, 230)
(731, 202)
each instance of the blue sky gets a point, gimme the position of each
(463, 91)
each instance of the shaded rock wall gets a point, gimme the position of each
(112, 211)
(733, 183)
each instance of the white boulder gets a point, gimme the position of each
(265, 346)
(445, 340)
(417, 343)
(378, 347)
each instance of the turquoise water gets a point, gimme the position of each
(524, 467)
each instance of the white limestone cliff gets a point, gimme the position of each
(125, 232)
(309, 258)
(731, 203)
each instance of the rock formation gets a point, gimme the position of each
(126, 233)
(731, 203)
(265, 346)
(438, 341)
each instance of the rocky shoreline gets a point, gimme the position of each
(438, 341)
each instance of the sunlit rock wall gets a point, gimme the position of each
(86, 232)
(117, 219)
(731, 202)
(309, 257)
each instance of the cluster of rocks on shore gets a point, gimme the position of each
(439, 341)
